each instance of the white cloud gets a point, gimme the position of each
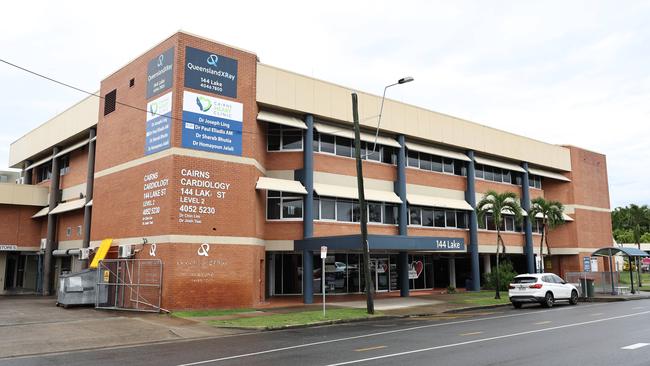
(563, 72)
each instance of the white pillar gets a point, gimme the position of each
(487, 265)
(452, 272)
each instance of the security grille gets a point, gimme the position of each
(129, 284)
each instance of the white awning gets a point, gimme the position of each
(40, 162)
(436, 151)
(282, 185)
(281, 119)
(42, 212)
(71, 148)
(375, 195)
(442, 202)
(68, 206)
(565, 217)
(348, 132)
(499, 164)
(547, 174)
(90, 203)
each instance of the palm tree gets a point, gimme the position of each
(498, 204)
(552, 216)
(638, 220)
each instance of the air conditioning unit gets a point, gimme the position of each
(125, 251)
(84, 253)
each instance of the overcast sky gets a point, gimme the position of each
(561, 72)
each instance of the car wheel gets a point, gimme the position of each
(574, 298)
(548, 300)
(517, 305)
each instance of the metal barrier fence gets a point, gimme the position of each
(129, 284)
(602, 281)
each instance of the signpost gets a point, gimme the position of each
(323, 255)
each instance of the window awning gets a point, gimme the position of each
(68, 206)
(547, 174)
(39, 163)
(281, 119)
(499, 164)
(330, 190)
(42, 212)
(442, 202)
(282, 185)
(436, 151)
(71, 148)
(565, 217)
(348, 132)
(630, 252)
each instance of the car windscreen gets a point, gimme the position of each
(525, 280)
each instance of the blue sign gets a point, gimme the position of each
(160, 73)
(159, 115)
(586, 262)
(212, 124)
(210, 72)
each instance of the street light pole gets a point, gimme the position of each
(370, 288)
(370, 304)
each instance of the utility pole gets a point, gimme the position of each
(370, 304)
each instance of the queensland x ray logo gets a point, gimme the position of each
(212, 60)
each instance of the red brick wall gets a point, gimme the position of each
(78, 168)
(328, 163)
(435, 179)
(18, 227)
(70, 219)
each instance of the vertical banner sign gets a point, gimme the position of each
(160, 73)
(159, 114)
(586, 262)
(210, 73)
(212, 124)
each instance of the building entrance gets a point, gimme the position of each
(380, 273)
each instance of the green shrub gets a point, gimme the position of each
(451, 290)
(507, 273)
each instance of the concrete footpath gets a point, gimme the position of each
(32, 325)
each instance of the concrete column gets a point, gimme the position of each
(27, 173)
(308, 178)
(50, 245)
(400, 186)
(528, 228)
(452, 272)
(403, 268)
(487, 265)
(90, 180)
(470, 197)
(308, 276)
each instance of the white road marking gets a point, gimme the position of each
(372, 335)
(544, 322)
(486, 339)
(471, 333)
(636, 345)
(638, 308)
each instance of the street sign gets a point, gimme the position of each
(323, 255)
(323, 252)
(586, 261)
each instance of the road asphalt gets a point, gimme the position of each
(586, 334)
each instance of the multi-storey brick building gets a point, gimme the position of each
(234, 173)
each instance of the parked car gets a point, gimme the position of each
(542, 288)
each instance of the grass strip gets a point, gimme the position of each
(296, 318)
(213, 312)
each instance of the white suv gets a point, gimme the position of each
(543, 288)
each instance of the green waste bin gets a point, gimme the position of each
(587, 287)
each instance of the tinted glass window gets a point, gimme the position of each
(451, 218)
(427, 217)
(461, 219)
(291, 138)
(448, 165)
(374, 212)
(274, 137)
(425, 161)
(328, 209)
(344, 211)
(439, 218)
(292, 208)
(413, 159)
(436, 164)
(415, 213)
(525, 280)
(343, 146)
(327, 144)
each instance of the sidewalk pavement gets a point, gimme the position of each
(34, 325)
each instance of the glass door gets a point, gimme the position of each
(380, 273)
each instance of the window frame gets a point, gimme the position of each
(282, 129)
(281, 197)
